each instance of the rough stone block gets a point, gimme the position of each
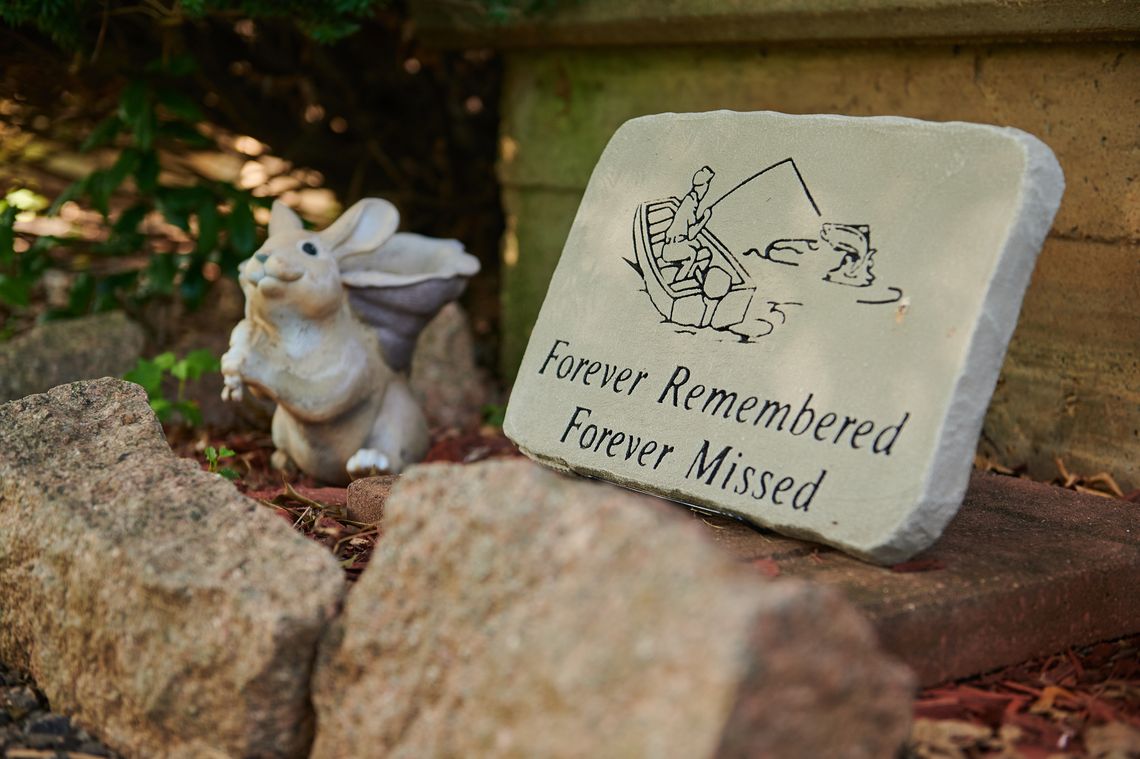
(147, 597)
(104, 345)
(539, 615)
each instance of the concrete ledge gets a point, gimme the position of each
(652, 22)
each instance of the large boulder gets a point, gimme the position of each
(512, 611)
(150, 600)
(104, 345)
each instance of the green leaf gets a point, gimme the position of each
(148, 375)
(126, 165)
(180, 104)
(7, 234)
(180, 370)
(164, 361)
(175, 66)
(189, 412)
(163, 409)
(133, 103)
(105, 131)
(99, 188)
(146, 173)
(242, 229)
(176, 130)
(211, 455)
(200, 361)
(228, 473)
(130, 219)
(72, 191)
(160, 273)
(14, 291)
(208, 223)
(225, 453)
(81, 295)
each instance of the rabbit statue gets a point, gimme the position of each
(331, 319)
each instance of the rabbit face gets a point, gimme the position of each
(293, 272)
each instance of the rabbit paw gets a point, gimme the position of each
(367, 462)
(232, 387)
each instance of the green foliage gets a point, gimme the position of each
(19, 272)
(153, 114)
(150, 373)
(494, 414)
(214, 457)
(76, 24)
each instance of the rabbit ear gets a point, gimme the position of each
(283, 219)
(362, 228)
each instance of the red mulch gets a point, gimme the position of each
(319, 512)
(1042, 708)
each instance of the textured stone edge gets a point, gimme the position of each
(948, 473)
(455, 23)
(293, 633)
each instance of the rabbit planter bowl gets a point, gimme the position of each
(331, 320)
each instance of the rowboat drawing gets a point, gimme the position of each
(773, 252)
(689, 298)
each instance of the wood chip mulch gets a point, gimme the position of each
(320, 513)
(1081, 702)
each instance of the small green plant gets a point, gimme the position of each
(494, 414)
(214, 457)
(149, 373)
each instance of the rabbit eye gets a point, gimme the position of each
(309, 248)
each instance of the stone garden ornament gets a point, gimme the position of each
(796, 320)
(331, 320)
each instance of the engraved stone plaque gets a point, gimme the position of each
(797, 320)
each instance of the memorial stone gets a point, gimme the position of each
(796, 320)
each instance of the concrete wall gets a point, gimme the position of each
(1071, 382)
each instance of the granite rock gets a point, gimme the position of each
(539, 615)
(103, 345)
(149, 599)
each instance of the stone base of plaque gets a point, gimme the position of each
(1023, 570)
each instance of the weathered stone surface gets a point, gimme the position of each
(366, 498)
(148, 598)
(58, 352)
(816, 376)
(544, 616)
(1024, 570)
(444, 377)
